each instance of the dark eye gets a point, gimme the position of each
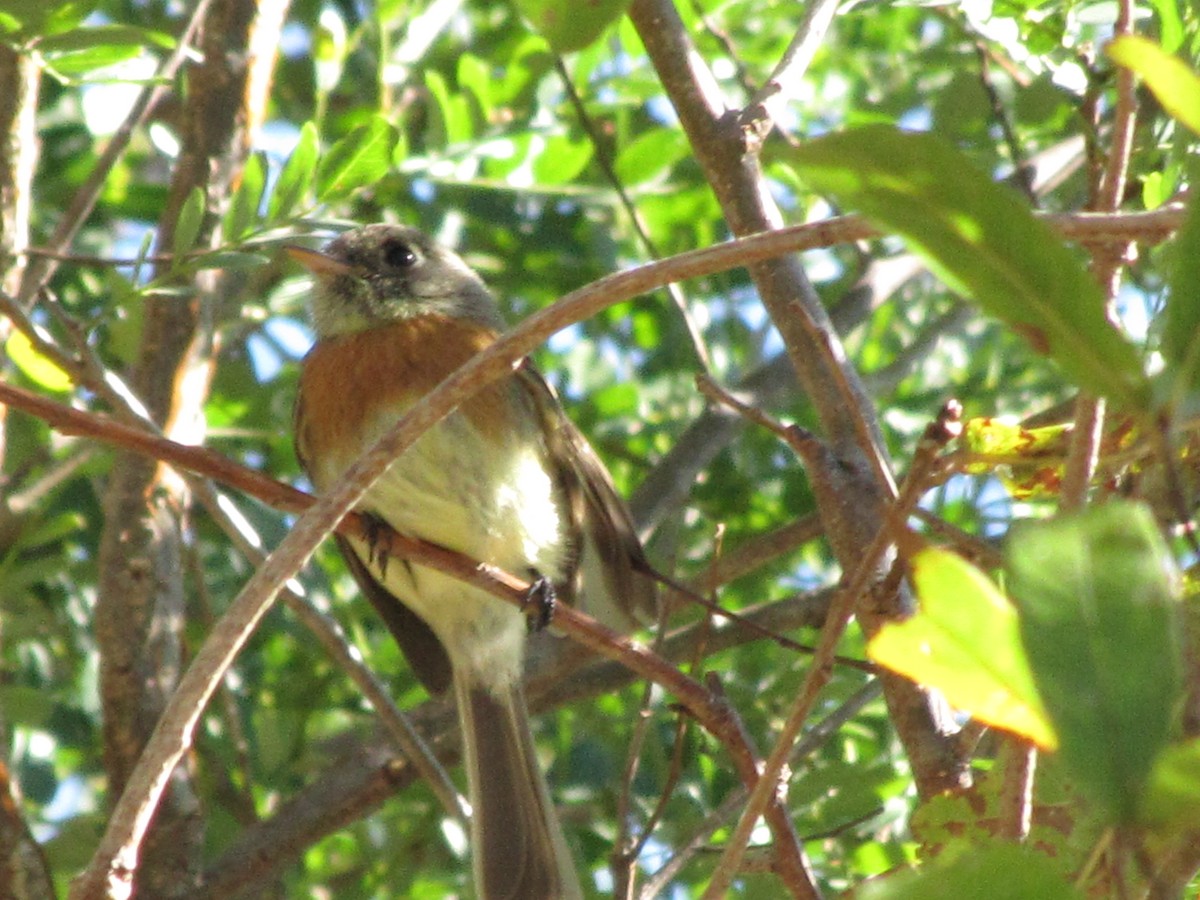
(398, 254)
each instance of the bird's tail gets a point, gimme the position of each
(518, 845)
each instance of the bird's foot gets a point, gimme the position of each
(540, 600)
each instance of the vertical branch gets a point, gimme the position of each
(857, 468)
(140, 603)
(18, 158)
(24, 870)
(1108, 260)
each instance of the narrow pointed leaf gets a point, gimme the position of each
(187, 226)
(1096, 596)
(1181, 336)
(360, 158)
(1174, 82)
(297, 176)
(568, 24)
(982, 239)
(243, 209)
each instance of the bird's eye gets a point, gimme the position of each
(398, 254)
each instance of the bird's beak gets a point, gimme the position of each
(317, 262)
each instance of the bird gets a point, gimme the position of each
(505, 479)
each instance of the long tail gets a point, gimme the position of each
(518, 845)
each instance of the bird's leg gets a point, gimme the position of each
(539, 602)
(377, 554)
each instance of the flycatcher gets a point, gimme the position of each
(505, 479)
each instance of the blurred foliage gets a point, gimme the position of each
(456, 118)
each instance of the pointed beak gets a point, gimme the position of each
(317, 262)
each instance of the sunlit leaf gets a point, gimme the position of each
(297, 176)
(650, 155)
(243, 208)
(36, 367)
(454, 109)
(965, 642)
(561, 160)
(1028, 460)
(105, 36)
(77, 63)
(360, 158)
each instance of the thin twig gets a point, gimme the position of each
(1107, 264)
(816, 737)
(784, 84)
(604, 159)
(818, 674)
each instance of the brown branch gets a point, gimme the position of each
(1107, 262)
(117, 854)
(1015, 801)
(1087, 228)
(856, 468)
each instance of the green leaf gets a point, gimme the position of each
(39, 17)
(232, 261)
(297, 176)
(360, 158)
(650, 155)
(1181, 335)
(1173, 81)
(76, 63)
(561, 160)
(104, 36)
(568, 24)
(965, 641)
(243, 208)
(78, 51)
(476, 76)
(1170, 26)
(187, 226)
(51, 529)
(1096, 596)
(1173, 794)
(983, 241)
(996, 872)
(39, 369)
(454, 109)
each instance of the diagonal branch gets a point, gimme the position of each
(109, 872)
